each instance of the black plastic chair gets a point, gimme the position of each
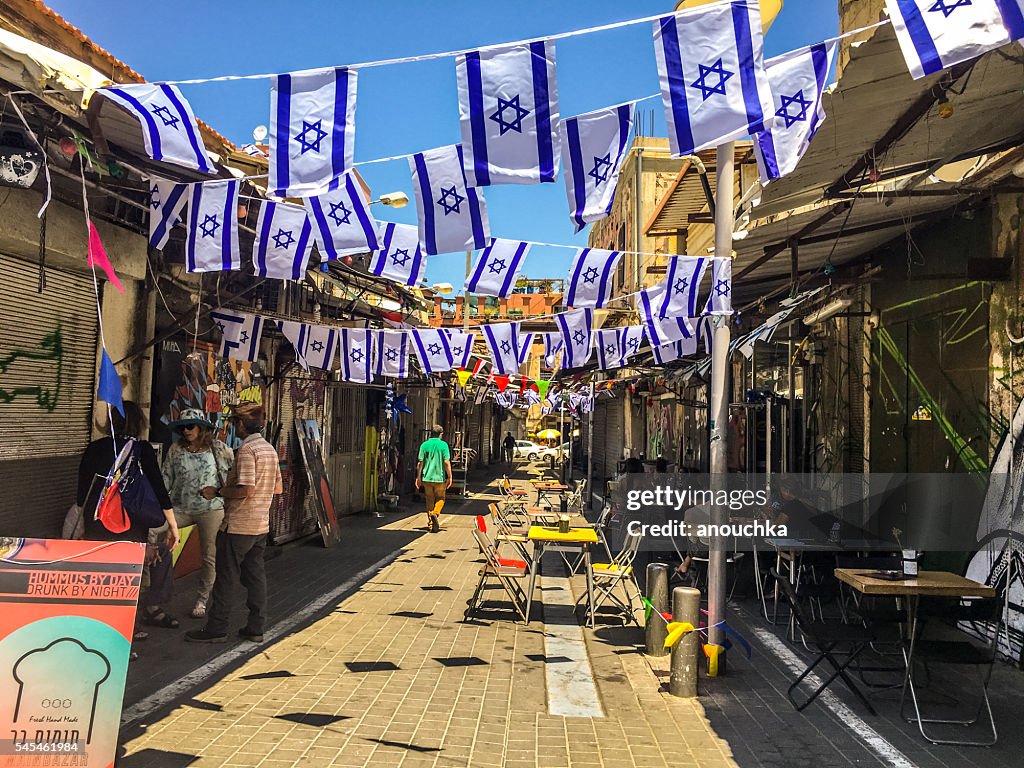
(846, 640)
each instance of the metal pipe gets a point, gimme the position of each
(590, 446)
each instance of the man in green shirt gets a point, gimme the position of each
(434, 475)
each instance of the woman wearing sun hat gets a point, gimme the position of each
(194, 461)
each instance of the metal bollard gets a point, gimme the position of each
(685, 607)
(657, 590)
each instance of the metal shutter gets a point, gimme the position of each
(47, 383)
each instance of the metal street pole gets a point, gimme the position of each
(590, 446)
(719, 403)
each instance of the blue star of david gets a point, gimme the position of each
(356, 355)
(154, 199)
(391, 354)
(166, 117)
(210, 225)
(579, 337)
(220, 326)
(497, 266)
(505, 346)
(722, 288)
(590, 274)
(701, 82)
(283, 238)
(339, 219)
(943, 5)
(456, 200)
(681, 285)
(602, 166)
(456, 351)
(633, 344)
(434, 349)
(400, 257)
(317, 345)
(318, 134)
(516, 124)
(610, 349)
(787, 101)
(243, 337)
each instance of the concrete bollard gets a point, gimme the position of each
(657, 593)
(685, 607)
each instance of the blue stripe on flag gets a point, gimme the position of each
(670, 281)
(496, 357)
(474, 280)
(513, 269)
(741, 20)
(338, 145)
(151, 129)
(197, 146)
(695, 280)
(261, 250)
(603, 294)
(476, 118)
(227, 257)
(325, 232)
(575, 277)
(361, 213)
(344, 353)
(162, 227)
(676, 84)
(542, 109)
(819, 57)
(195, 201)
(652, 331)
(300, 345)
(403, 357)
(300, 250)
(417, 262)
(283, 136)
(421, 352)
(920, 36)
(475, 218)
(254, 347)
(579, 177)
(1013, 17)
(766, 145)
(427, 201)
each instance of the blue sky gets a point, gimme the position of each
(407, 107)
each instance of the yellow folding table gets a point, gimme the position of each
(548, 539)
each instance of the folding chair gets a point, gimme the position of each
(607, 576)
(506, 531)
(827, 640)
(574, 500)
(505, 572)
(960, 653)
(516, 496)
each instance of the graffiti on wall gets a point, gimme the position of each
(43, 365)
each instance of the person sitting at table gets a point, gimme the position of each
(787, 508)
(695, 546)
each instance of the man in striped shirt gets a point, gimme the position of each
(254, 480)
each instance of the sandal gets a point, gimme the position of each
(139, 636)
(159, 618)
(199, 611)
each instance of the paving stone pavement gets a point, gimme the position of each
(394, 676)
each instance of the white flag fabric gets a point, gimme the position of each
(590, 277)
(452, 215)
(356, 355)
(503, 342)
(312, 130)
(632, 337)
(711, 67)
(497, 268)
(240, 334)
(720, 301)
(400, 257)
(432, 349)
(461, 346)
(798, 80)
(661, 330)
(683, 277)
(936, 34)
(166, 201)
(316, 346)
(342, 220)
(706, 333)
(593, 145)
(553, 344)
(577, 332)
(168, 125)
(213, 227)
(391, 352)
(284, 241)
(677, 349)
(508, 112)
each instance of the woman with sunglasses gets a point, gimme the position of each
(194, 461)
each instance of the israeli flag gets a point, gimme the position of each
(240, 334)
(213, 227)
(677, 349)
(391, 351)
(609, 348)
(713, 84)
(706, 333)
(461, 346)
(497, 269)
(593, 146)
(590, 277)
(508, 112)
(432, 349)
(525, 345)
(553, 344)
(503, 342)
(452, 215)
(577, 336)
(661, 330)
(166, 201)
(798, 79)
(315, 346)
(632, 338)
(530, 397)
(312, 130)
(400, 257)
(936, 34)
(284, 241)
(356, 355)
(683, 277)
(168, 125)
(341, 219)
(720, 300)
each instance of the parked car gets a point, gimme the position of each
(527, 449)
(560, 452)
